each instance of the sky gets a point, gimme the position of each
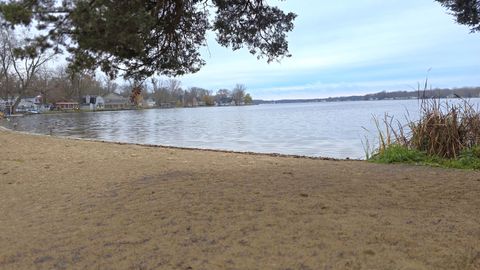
(351, 47)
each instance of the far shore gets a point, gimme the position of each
(78, 204)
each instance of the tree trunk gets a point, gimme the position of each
(15, 105)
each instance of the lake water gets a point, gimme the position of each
(333, 129)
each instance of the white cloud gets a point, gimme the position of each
(352, 46)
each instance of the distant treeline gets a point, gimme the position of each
(464, 92)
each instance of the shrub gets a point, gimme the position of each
(445, 129)
(446, 134)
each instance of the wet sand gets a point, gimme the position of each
(70, 204)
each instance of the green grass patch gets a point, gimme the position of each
(469, 159)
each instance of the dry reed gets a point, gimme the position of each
(444, 129)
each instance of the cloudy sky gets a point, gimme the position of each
(352, 47)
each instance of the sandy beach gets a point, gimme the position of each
(71, 204)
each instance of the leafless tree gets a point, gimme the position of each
(26, 64)
(43, 82)
(238, 94)
(109, 85)
(62, 85)
(223, 96)
(6, 60)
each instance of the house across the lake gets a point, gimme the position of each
(6, 105)
(26, 105)
(92, 103)
(114, 101)
(149, 103)
(67, 105)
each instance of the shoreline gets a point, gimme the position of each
(182, 148)
(78, 204)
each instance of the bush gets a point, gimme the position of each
(444, 129)
(445, 135)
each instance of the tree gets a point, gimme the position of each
(223, 96)
(467, 12)
(24, 65)
(248, 99)
(6, 60)
(176, 92)
(109, 85)
(62, 85)
(168, 92)
(143, 37)
(205, 96)
(208, 99)
(160, 93)
(238, 94)
(42, 83)
(191, 97)
(125, 90)
(136, 97)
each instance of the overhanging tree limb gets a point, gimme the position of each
(466, 12)
(146, 37)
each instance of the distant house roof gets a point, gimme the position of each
(113, 98)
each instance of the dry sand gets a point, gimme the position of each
(69, 204)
